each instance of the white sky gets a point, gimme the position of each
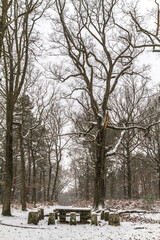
(150, 58)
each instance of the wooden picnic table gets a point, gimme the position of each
(85, 213)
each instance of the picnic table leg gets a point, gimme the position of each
(62, 217)
(56, 214)
(73, 219)
(84, 216)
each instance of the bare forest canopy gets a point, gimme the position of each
(80, 110)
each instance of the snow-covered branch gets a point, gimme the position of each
(113, 151)
(3, 159)
(133, 127)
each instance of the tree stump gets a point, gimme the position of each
(73, 219)
(94, 219)
(106, 215)
(114, 219)
(42, 213)
(62, 217)
(102, 215)
(56, 214)
(33, 217)
(84, 216)
(51, 219)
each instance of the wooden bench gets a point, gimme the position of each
(85, 213)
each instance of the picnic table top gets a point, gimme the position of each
(72, 209)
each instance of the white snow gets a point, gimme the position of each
(20, 230)
(70, 207)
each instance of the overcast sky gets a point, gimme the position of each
(149, 57)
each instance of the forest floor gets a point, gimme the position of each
(137, 223)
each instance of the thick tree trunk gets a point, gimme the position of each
(15, 166)
(112, 190)
(6, 211)
(159, 181)
(99, 191)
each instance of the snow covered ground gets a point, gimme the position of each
(16, 228)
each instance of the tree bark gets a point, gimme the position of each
(55, 181)
(44, 186)
(112, 185)
(159, 181)
(34, 199)
(49, 179)
(15, 166)
(87, 180)
(39, 197)
(6, 211)
(99, 192)
(23, 171)
(129, 180)
(124, 181)
(29, 173)
(3, 22)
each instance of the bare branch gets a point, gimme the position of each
(112, 152)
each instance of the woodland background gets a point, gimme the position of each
(79, 111)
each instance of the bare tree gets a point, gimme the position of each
(148, 34)
(5, 5)
(151, 143)
(129, 104)
(17, 40)
(55, 125)
(99, 54)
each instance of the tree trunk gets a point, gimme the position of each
(1, 185)
(34, 199)
(129, 180)
(44, 186)
(87, 180)
(158, 162)
(99, 191)
(39, 195)
(124, 181)
(75, 183)
(4, 10)
(159, 181)
(15, 166)
(23, 172)
(49, 178)
(9, 158)
(55, 181)
(29, 173)
(112, 184)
